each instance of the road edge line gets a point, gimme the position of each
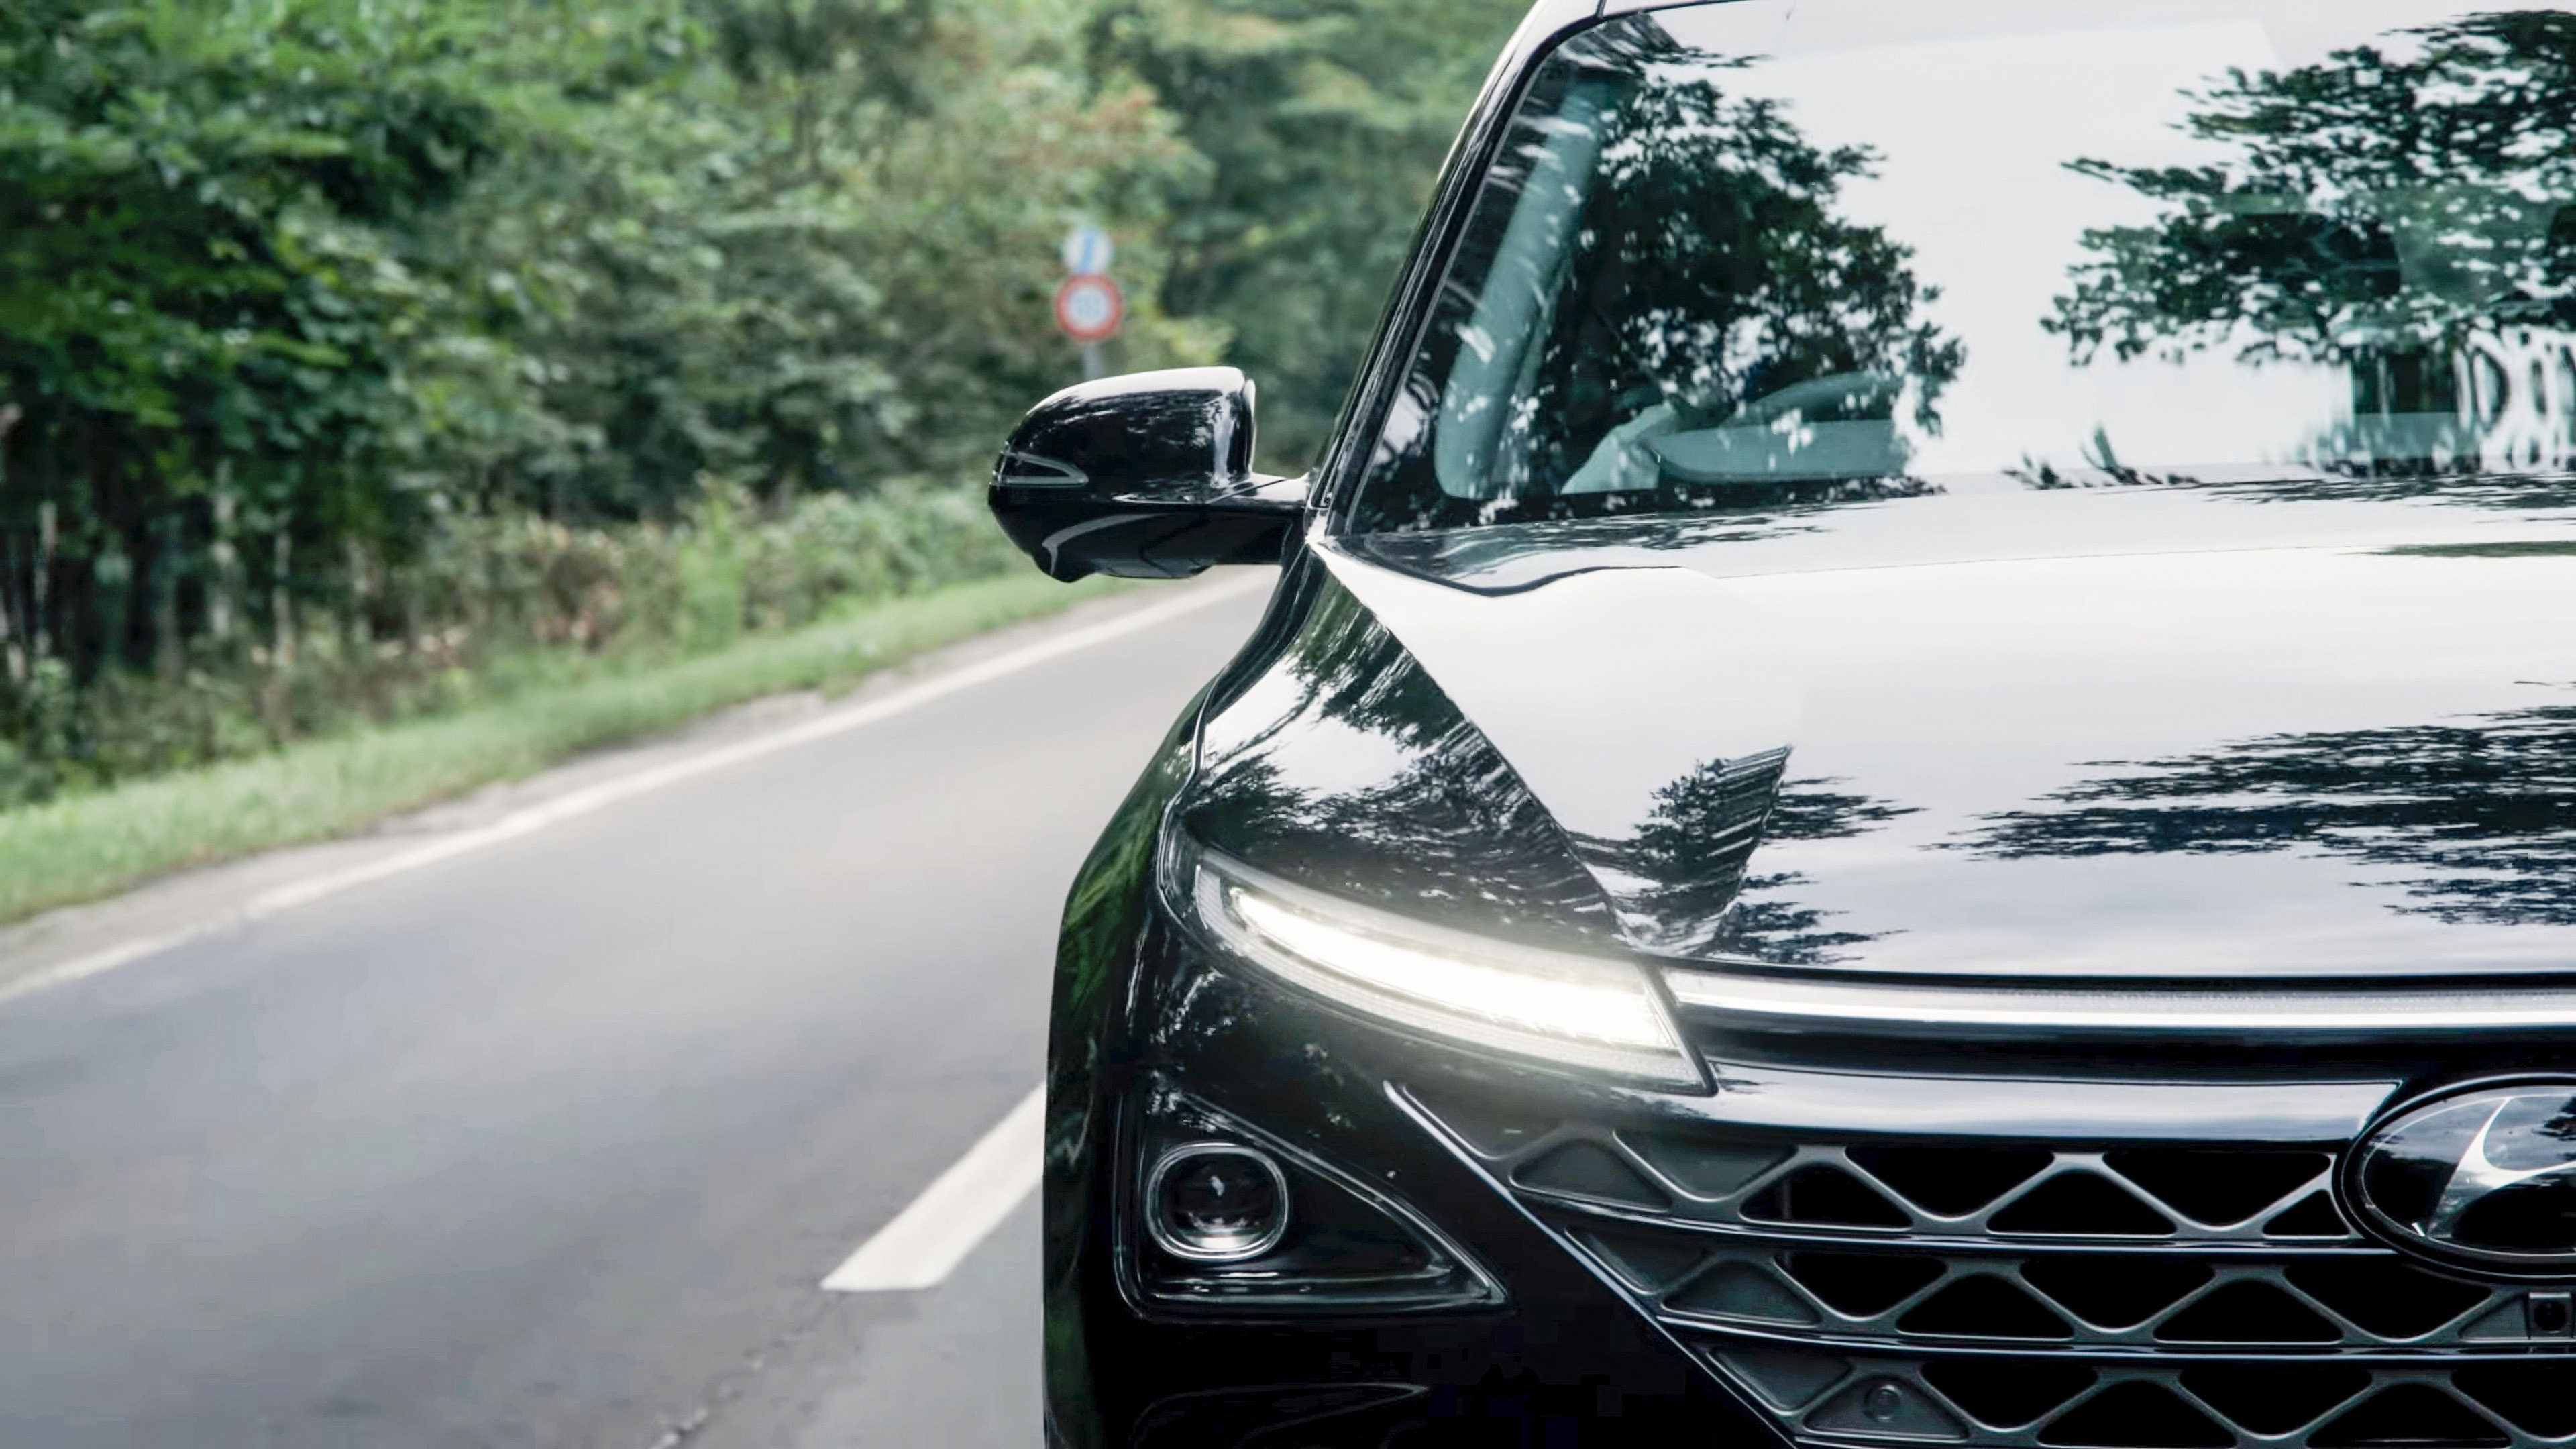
(954, 1215)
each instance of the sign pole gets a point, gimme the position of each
(1092, 366)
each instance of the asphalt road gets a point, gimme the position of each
(552, 1143)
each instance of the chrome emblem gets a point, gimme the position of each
(2480, 1177)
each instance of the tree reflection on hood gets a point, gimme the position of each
(1443, 829)
(1763, 922)
(2477, 819)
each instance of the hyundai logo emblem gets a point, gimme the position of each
(2480, 1177)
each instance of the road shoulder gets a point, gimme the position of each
(78, 940)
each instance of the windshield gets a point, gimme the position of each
(1736, 256)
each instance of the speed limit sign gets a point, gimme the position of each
(1089, 308)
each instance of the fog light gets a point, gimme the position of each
(1216, 1202)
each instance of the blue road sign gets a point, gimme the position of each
(1087, 252)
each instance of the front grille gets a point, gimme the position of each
(2174, 1296)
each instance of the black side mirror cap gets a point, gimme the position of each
(1144, 476)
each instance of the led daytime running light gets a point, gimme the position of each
(1587, 1012)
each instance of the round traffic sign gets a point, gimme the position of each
(1089, 308)
(1087, 252)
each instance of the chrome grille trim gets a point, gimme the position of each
(1749, 1001)
(1798, 1102)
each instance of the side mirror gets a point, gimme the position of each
(1144, 476)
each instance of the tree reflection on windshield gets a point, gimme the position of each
(1658, 306)
(2398, 211)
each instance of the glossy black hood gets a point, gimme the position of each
(2257, 732)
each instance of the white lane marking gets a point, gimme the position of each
(278, 900)
(927, 1240)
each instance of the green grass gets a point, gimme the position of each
(86, 846)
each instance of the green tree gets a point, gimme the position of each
(291, 291)
(1322, 124)
(818, 258)
(204, 275)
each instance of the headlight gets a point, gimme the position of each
(1593, 1013)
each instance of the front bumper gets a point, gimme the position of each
(1846, 1251)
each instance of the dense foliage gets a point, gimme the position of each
(302, 302)
(1322, 124)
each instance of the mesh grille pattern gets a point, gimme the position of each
(2042, 1295)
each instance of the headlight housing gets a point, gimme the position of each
(1593, 1014)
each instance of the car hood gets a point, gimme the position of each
(2150, 733)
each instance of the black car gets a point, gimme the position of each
(1913, 775)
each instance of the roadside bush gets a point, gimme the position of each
(493, 606)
